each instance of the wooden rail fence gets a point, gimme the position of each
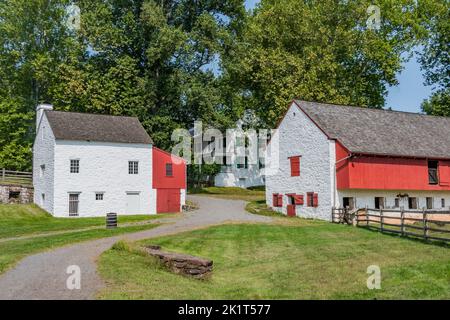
(9, 177)
(425, 224)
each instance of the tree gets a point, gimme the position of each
(435, 58)
(321, 51)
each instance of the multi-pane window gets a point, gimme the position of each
(133, 167)
(99, 196)
(412, 203)
(73, 204)
(169, 170)
(74, 166)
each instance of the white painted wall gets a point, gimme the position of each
(365, 198)
(240, 177)
(299, 136)
(43, 154)
(103, 168)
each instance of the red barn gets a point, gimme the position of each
(169, 180)
(344, 156)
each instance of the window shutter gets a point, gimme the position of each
(309, 199)
(299, 199)
(274, 200)
(295, 166)
(315, 200)
(280, 200)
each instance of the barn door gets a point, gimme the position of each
(168, 200)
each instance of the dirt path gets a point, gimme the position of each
(43, 275)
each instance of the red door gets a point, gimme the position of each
(167, 200)
(290, 210)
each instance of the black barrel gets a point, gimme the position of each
(111, 220)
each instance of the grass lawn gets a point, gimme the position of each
(233, 193)
(18, 220)
(260, 207)
(14, 250)
(303, 260)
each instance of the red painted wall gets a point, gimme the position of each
(160, 180)
(386, 173)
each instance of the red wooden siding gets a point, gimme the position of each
(168, 200)
(387, 173)
(295, 166)
(160, 180)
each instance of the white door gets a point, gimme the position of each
(133, 201)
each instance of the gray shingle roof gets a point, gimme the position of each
(382, 132)
(95, 127)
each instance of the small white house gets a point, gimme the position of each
(343, 156)
(89, 165)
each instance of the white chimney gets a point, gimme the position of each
(40, 112)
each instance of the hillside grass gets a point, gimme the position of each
(19, 220)
(303, 260)
(232, 193)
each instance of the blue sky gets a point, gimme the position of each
(410, 92)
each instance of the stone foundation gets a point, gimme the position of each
(182, 263)
(16, 194)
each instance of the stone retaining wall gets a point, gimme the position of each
(182, 263)
(16, 194)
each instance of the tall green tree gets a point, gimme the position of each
(33, 41)
(322, 51)
(435, 58)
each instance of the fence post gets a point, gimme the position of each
(402, 221)
(381, 219)
(332, 214)
(367, 216)
(425, 224)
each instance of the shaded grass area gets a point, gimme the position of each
(260, 207)
(304, 260)
(19, 220)
(233, 193)
(14, 250)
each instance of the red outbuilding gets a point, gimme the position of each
(169, 180)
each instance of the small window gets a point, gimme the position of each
(74, 166)
(412, 203)
(433, 172)
(349, 202)
(379, 203)
(99, 196)
(277, 200)
(396, 203)
(312, 199)
(169, 170)
(133, 167)
(242, 163)
(443, 203)
(73, 204)
(42, 170)
(429, 203)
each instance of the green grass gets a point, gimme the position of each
(305, 260)
(19, 220)
(14, 250)
(260, 207)
(233, 193)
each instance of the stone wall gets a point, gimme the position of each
(16, 194)
(182, 263)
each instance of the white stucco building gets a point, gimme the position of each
(89, 165)
(341, 156)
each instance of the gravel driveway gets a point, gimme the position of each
(43, 275)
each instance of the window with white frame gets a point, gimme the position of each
(99, 196)
(133, 167)
(74, 166)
